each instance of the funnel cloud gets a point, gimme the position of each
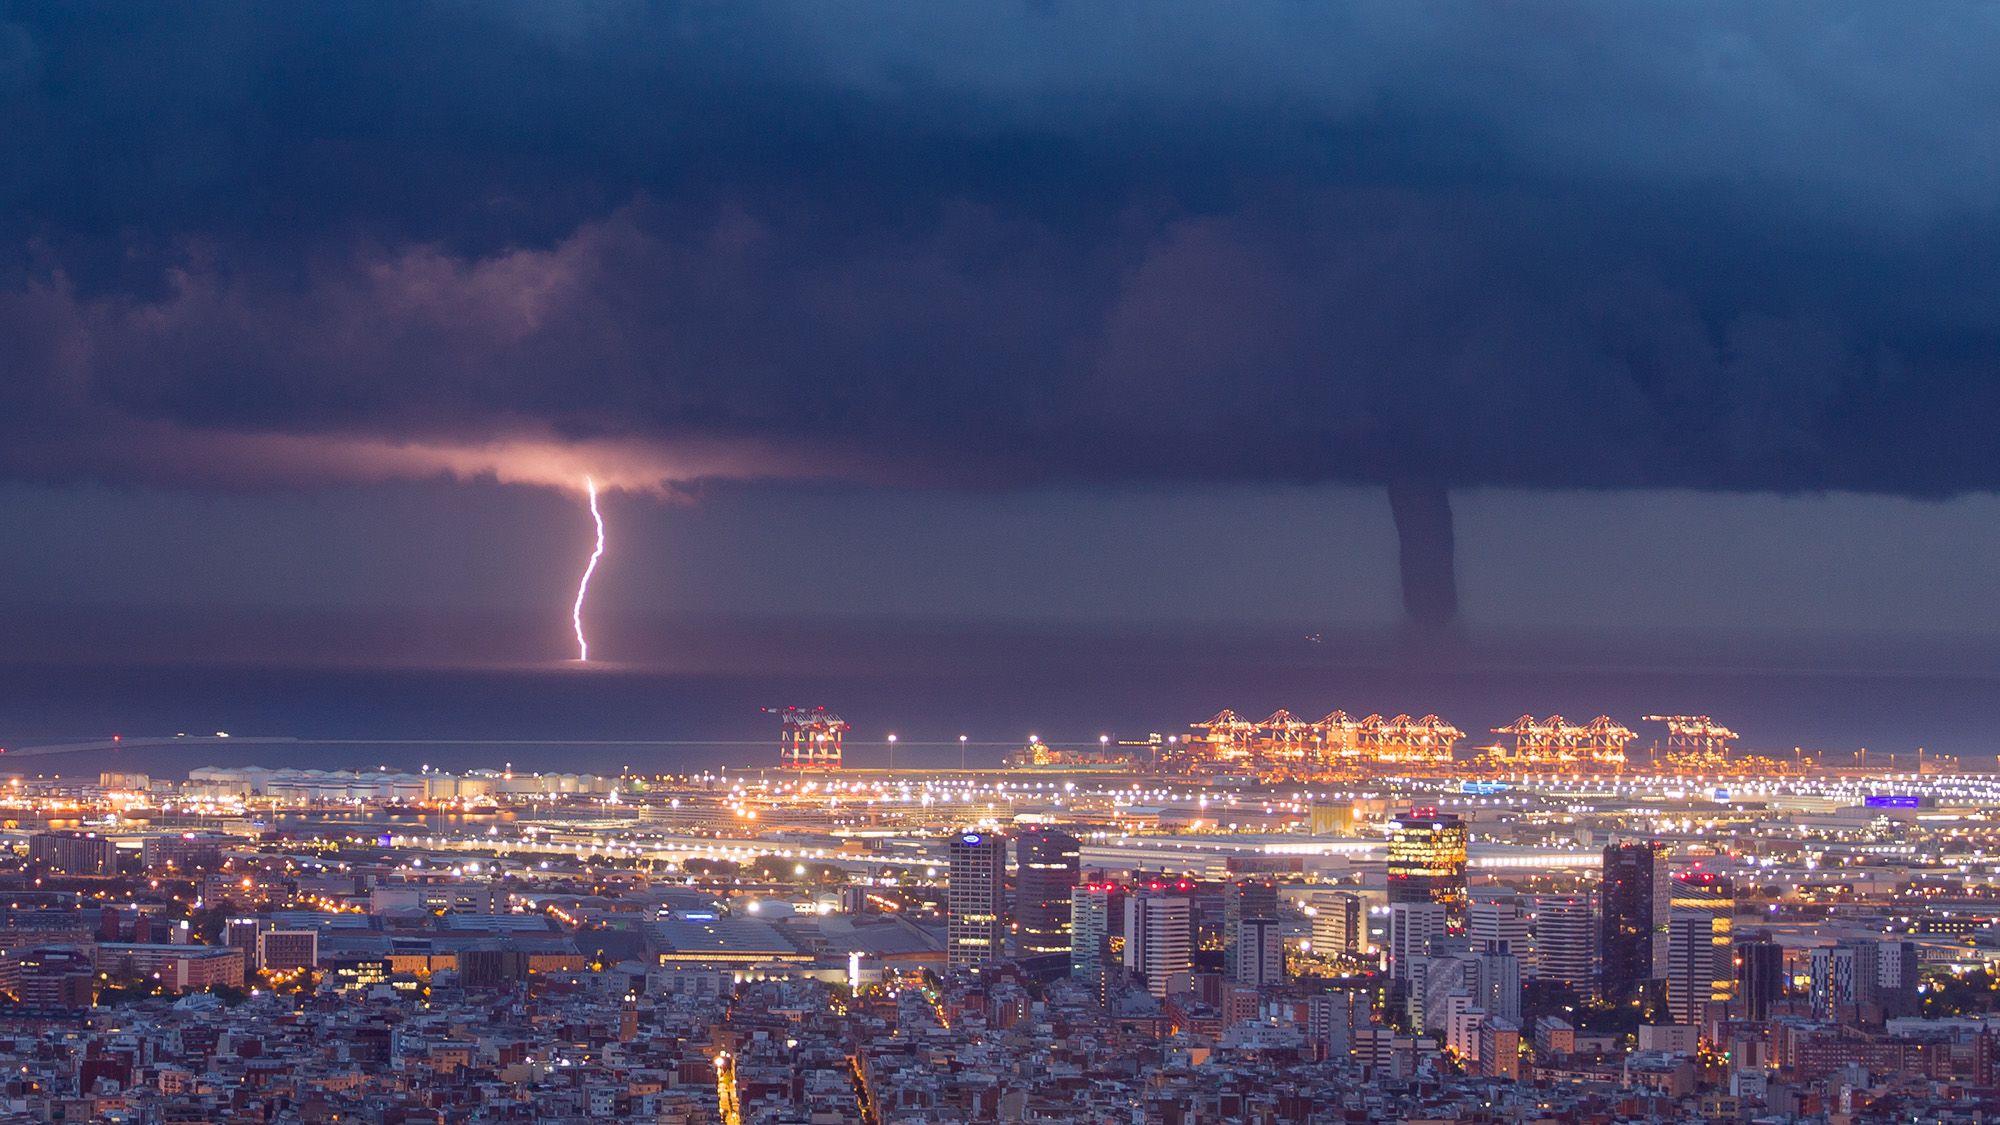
(1425, 552)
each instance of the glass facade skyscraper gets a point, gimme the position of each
(1047, 862)
(976, 898)
(1427, 862)
(1631, 900)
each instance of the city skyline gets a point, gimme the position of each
(1037, 563)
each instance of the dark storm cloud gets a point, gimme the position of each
(1545, 244)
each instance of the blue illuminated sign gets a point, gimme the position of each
(1898, 801)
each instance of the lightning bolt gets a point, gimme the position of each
(583, 584)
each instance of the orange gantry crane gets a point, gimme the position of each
(1557, 741)
(1282, 744)
(1225, 737)
(1426, 741)
(1696, 736)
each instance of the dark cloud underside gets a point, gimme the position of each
(1544, 244)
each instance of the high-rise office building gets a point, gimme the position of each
(1705, 892)
(1159, 935)
(1333, 1018)
(1440, 986)
(1760, 976)
(1499, 979)
(1690, 965)
(1416, 933)
(1663, 882)
(1501, 921)
(1633, 906)
(1091, 920)
(1427, 862)
(1864, 980)
(1047, 862)
(975, 898)
(1898, 981)
(1245, 898)
(1700, 946)
(1339, 923)
(1260, 955)
(1847, 979)
(1708, 892)
(1566, 942)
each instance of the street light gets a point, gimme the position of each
(892, 753)
(961, 752)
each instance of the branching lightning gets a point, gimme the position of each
(583, 584)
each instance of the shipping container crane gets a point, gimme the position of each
(808, 740)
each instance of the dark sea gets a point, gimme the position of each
(698, 702)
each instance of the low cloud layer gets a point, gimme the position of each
(1548, 245)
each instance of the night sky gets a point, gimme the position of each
(1097, 318)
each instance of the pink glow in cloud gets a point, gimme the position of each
(172, 454)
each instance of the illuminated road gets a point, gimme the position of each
(654, 850)
(725, 1089)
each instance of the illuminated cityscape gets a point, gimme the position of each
(1423, 937)
(1055, 562)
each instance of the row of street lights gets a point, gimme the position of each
(1102, 740)
(892, 752)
